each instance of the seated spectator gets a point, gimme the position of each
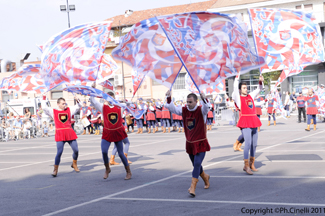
(18, 127)
(3, 128)
(26, 128)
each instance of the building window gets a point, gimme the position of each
(252, 79)
(56, 94)
(306, 7)
(306, 79)
(179, 82)
(6, 96)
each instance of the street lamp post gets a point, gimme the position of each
(67, 8)
(127, 13)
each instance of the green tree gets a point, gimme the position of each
(268, 77)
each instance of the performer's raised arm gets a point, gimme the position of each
(205, 105)
(170, 106)
(76, 107)
(236, 94)
(254, 93)
(98, 105)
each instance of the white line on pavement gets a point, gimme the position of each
(161, 180)
(266, 177)
(220, 201)
(283, 161)
(30, 164)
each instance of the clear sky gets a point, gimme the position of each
(26, 23)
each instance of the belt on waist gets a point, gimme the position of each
(248, 114)
(113, 128)
(196, 140)
(62, 128)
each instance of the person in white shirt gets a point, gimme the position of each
(217, 101)
(26, 128)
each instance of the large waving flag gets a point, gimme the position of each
(147, 50)
(211, 47)
(321, 97)
(218, 88)
(107, 68)
(75, 54)
(89, 91)
(26, 79)
(288, 40)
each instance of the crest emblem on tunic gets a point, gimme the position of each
(249, 104)
(190, 123)
(63, 117)
(112, 118)
(310, 100)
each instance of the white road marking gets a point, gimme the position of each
(266, 177)
(18, 149)
(164, 179)
(283, 161)
(191, 200)
(81, 155)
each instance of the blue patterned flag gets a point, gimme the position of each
(75, 54)
(89, 91)
(288, 40)
(26, 79)
(211, 47)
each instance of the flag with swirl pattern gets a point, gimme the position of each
(26, 79)
(321, 96)
(75, 54)
(218, 88)
(211, 47)
(89, 91)
(288, 40)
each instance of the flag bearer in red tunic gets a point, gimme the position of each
(95, 119)
(63, 131)
(248, 121)
(113, 131)
(151, 117)
(312, 111)
(165, 119)
(210, 117)
(158, 114)
(194, 120)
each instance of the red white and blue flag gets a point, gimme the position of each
(219, 88)
(211, 47)
(89, 91)
(288, 40)
(26, 79)
(75, 54)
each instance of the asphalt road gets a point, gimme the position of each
(290, 161)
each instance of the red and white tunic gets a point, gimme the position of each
(95, 116)
(258, 106)
(151, 115)
(248, 117)
(311, 105)
(210, 113)
(158, 112)
(271, 105)
(195, 131)
(63, 129)
(165, 113)
(113, 128)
